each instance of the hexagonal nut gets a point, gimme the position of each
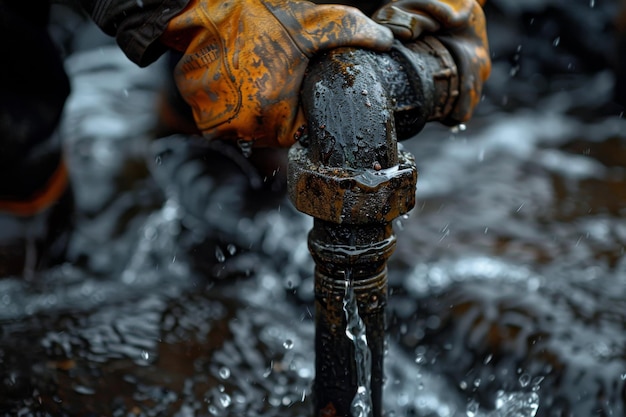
(342, 195)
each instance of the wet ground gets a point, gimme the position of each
(508, 285)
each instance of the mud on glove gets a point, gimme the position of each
(244, 61)
(460, 25)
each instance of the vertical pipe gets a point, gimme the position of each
(359, 254)
(351, 127)
(349, 175)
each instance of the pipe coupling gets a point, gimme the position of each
(351, 196)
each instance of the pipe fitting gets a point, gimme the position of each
(350, 174)
(345, 195)
(428, 87)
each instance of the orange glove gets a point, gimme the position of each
(244, 61)
(460, 26)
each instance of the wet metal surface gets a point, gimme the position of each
(352, 196)
(337, 179)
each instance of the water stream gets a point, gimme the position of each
(355, 331)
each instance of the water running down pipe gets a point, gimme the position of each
(348, 173)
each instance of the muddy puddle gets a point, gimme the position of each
(507, 288)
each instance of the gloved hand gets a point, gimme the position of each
(460, 26)
(244, 61)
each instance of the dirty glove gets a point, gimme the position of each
(244, 61)
(460, 26)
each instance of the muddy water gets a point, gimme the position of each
(508, 287)
(517, 264)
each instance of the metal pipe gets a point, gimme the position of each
(350, 176)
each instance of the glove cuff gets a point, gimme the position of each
(177, 35)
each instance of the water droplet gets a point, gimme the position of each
(458, 128)
(472, 408)
(524, 380)
(158, 160)
(224, 372)
(536, 383)
(246, 147)
(273, 401)
(81, 389)
(288, 344)
(556, 41)
(145, 355)
(225, 400)
(219, 255)
(232, 249)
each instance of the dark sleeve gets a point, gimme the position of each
(135, 24)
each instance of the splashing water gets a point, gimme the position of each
(516, 404)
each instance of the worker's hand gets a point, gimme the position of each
(244, 61)
(460, 26)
